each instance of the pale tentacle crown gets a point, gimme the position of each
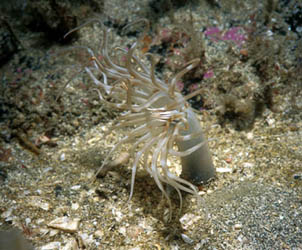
(160, 119)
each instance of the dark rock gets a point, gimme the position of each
(8, 42)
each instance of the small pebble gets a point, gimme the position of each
(37, 201)
(71, 245)
(228, 160)
(65, 224)
(51, 246)
(99, 234)
(75, 206)
(250, 135)
(297, 176)
(187, 239)
(76, 187)
(62, 157)
(270, 121)
(248, 165)
(223, 170)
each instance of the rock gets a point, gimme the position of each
(13, 240)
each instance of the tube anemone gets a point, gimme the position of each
(160, 120)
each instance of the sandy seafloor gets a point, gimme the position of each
(253, 203)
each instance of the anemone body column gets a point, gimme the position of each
(198, 166)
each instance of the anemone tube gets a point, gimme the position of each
(159, 117)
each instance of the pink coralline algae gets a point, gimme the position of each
(234, 34)
(208, 74)
(180, 85)
(213, 33)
